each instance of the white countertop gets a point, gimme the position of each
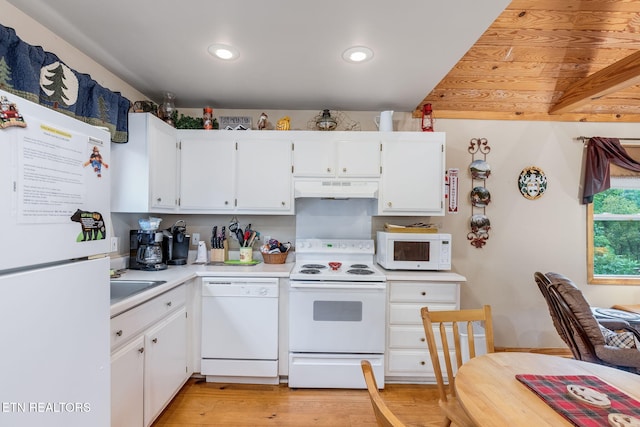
(439, 276)
(178, 274)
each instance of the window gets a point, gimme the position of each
(613, 234)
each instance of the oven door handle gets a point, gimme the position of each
(338, 285)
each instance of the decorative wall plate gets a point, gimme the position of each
(532, 182)
(480, 197)
(480, 169)
(480, 224)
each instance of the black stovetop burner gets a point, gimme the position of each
(359, 266)
(361, 271)
(314, 266)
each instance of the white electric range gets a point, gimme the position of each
(336, 259)
(337, 311)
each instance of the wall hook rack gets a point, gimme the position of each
(480, 196)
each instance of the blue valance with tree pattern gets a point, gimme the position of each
(41, 77)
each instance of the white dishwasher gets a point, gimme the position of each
(240, 330)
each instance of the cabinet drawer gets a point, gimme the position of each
(128, 324)
(414, 363)
(423, 292)
(414, 337)
(407, 337)
(409, 314)
(410, 362)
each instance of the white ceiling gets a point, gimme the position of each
(290, 50)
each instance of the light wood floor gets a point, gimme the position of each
(219, 404)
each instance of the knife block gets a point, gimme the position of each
(220, 255)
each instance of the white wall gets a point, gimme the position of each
(547, 234)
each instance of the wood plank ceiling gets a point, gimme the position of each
(539, 59)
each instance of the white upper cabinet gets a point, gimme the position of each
(207, 169)
(413, 167)
(197, 171)
(336, 155)
(235, 171)
(314, 156)
(263, 174)
(359, 156)
(144, 170)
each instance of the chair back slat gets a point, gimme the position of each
(457, 321)
(471, 342)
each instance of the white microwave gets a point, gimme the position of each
(413, 251)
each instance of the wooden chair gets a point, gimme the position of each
(450, 324)
(384, 416)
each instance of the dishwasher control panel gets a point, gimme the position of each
(265, 288)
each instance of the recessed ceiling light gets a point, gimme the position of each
(357, 54)
(223, 51)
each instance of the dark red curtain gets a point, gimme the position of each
(600, 153)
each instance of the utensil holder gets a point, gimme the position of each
(220, 255)
(246, 254)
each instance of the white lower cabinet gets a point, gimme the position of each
(407, 352)
(149, 358)
(165, 369)
(127, 385)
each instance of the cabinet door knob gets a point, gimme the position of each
(423, 293)
(344, 169)
(226, 202)
(159, 199)
(169, 304)
(329, 170)
(422, 339)
(389, 204)
(141, 350)
(423, 363)
(283, 203)
(155, 340)
(119, 333)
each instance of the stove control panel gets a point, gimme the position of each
(335, 246)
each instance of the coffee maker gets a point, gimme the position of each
(146, 250)
(175, 244)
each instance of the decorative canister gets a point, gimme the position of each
(207, 118)
(167, 108)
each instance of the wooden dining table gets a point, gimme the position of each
(491, 395)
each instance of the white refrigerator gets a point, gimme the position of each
(54, 268)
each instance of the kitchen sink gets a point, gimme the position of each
(121, 289)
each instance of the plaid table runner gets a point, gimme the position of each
(553, 390)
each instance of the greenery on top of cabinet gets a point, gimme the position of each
(188, 122)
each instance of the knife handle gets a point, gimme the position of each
(239, 236)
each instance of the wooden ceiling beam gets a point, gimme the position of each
(613, 78)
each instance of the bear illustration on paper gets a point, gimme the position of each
(92, 223)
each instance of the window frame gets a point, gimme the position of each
(592, 279)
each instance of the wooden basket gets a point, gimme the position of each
(275, 258)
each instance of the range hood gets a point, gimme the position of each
(336, 189)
